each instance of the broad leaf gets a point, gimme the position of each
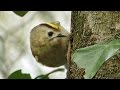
(91, 58)
(20, 13)
(19, 75)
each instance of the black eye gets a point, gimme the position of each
(50, 34)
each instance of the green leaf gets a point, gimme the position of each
(91, 58)
(20, 13)
(19, 75)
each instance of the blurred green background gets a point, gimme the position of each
(15, 50)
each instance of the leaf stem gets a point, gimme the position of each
(56, 70)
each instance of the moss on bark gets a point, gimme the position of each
(89, 28)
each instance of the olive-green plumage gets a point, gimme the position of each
(49, 44)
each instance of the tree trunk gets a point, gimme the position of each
(89, 28)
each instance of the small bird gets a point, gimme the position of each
(49, 44)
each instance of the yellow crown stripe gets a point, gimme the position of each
(53, 25)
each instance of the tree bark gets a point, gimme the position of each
(89, 28)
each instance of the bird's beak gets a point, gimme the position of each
(60, 35)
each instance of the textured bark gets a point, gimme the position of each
(89, 28)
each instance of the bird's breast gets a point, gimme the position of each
(54, 56)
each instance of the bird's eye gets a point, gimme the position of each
(50, 34)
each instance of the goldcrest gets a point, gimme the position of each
(49, 44)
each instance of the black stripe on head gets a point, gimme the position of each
(44, 24)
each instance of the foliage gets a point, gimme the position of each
(91, 58)
(20, 13)
(19, 75)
